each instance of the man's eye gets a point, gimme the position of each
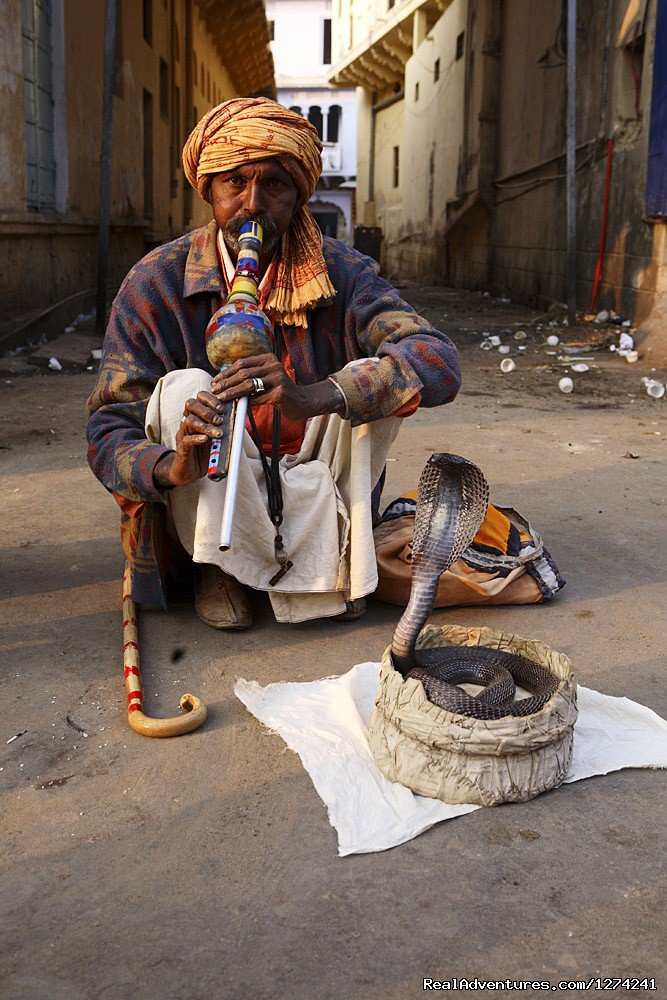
(235, 181)
(276, 182)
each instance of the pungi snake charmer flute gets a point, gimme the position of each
(239, 329)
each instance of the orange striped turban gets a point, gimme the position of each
(254, 128)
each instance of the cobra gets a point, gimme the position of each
(452, 500)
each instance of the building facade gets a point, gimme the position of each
(301, 45)
(462, 143)
(174, 59)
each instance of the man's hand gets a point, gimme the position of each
(201, 422)
(297, 402)
(202, 416)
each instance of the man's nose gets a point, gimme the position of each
(254, 201)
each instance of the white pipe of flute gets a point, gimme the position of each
(233, 474)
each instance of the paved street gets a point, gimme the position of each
(205, 866)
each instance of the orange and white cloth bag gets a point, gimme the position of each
(506, 563)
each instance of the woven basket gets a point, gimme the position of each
(462, 760)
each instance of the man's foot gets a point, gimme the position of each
(353, 610)
(220, 600)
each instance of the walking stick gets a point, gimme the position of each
(195, 710)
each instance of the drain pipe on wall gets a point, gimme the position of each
(105, 166)
(570, 163)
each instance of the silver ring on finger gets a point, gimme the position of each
(257, 386)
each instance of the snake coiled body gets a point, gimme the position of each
(453, 495)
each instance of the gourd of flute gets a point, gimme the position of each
(239, 329)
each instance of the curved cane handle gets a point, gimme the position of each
(194, 708)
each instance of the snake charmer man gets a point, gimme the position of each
(351, 360)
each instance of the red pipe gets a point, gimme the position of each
(603, 227)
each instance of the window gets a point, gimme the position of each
(395, 179)
(417, 91)
(436, 71)
(326, 41)
(148, 21)
(333, 122)
(272, 31)
(315, 118)
(296, 109)
(459, 45)
(148, 154)
(164, 89)
(40, 160)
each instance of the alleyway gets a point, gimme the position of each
(205, 866)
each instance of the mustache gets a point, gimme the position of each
(270, 230)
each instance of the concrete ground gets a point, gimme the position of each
(205, 866)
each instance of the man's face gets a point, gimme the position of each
(261, 191)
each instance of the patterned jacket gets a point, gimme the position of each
(157, 325)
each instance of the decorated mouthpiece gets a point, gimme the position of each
(240, 329)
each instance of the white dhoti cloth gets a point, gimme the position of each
(327, 521)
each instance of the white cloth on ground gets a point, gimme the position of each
(327, 527)
(326, 723)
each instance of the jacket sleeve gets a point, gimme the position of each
(119, 453)
(405, 357)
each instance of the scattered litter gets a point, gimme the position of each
(70, 329)
(505, 300)
(486, 345)
(96, 355)
(630, 454)
(494, 340)
(504, 349)
(631, 357)
(553, 340)
(522, 347)
(655, 389)
(507, 365)
(580, 368)
(626, 322)
(625, 344)
(520, 335)
(602, 316)
(12, 738)
(55, 365)
(566, 384)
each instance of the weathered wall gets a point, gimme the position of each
(529, 230)
(48, 256)
(482, 194)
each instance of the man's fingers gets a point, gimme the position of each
(194, 425)
(209, 400)
(206, 409)
(194, 440)
(264, 366)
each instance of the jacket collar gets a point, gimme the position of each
(202, 267)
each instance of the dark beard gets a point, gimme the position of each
(271, 235)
